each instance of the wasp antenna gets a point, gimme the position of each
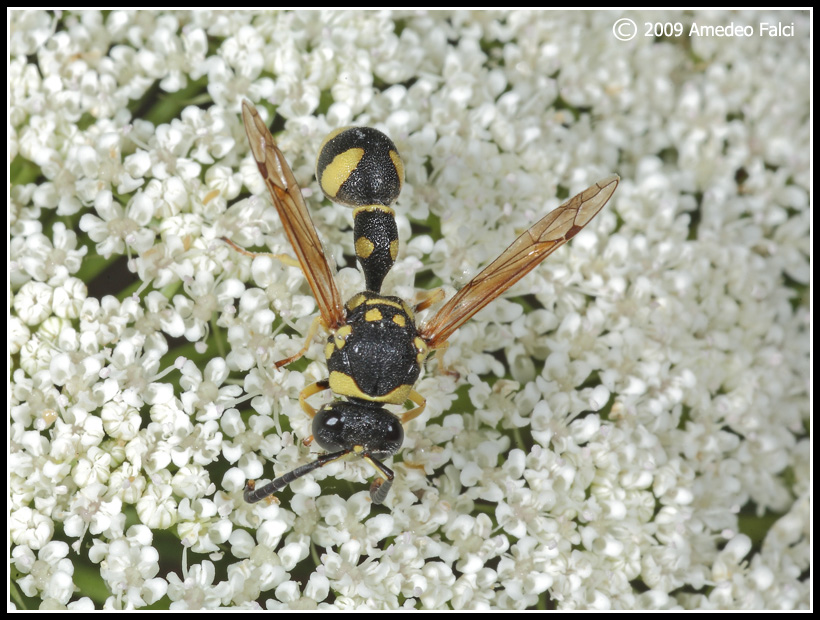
(253, 495)
(379, 490)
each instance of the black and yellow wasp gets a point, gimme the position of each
(375, 351)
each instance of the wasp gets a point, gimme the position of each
(375, 351)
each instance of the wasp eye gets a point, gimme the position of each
(393, 433)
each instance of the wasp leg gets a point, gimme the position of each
(442, 367)
(317, 323)
(421, 403)
(253, 495)
(381, 486)
(432, 297)
(282, 258)
(413, 465)
(313, 388)
(290, 262)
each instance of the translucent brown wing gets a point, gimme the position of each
(287, 198)
(548, 234)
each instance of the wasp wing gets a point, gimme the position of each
(287, 198)
(533, 246)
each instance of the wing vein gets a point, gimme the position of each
(529, 249)
(295, 218)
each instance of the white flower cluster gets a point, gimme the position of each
(628, 429)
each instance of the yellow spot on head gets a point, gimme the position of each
(399, 320)
(373, 315)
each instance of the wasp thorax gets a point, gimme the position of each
(360, 166)
(375, 357)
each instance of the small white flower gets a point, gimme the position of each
(90, 512)
(68, 298)
(199, 529)
(18, 334)
(29, 528)
(32, 303)
(197, 590)
(128, 564)
(205, 296)
(50, 576)
(51, 260)
(156, 507)
(203, 389)
(116, 227)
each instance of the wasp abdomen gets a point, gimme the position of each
(377, 243)
(360, 167)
